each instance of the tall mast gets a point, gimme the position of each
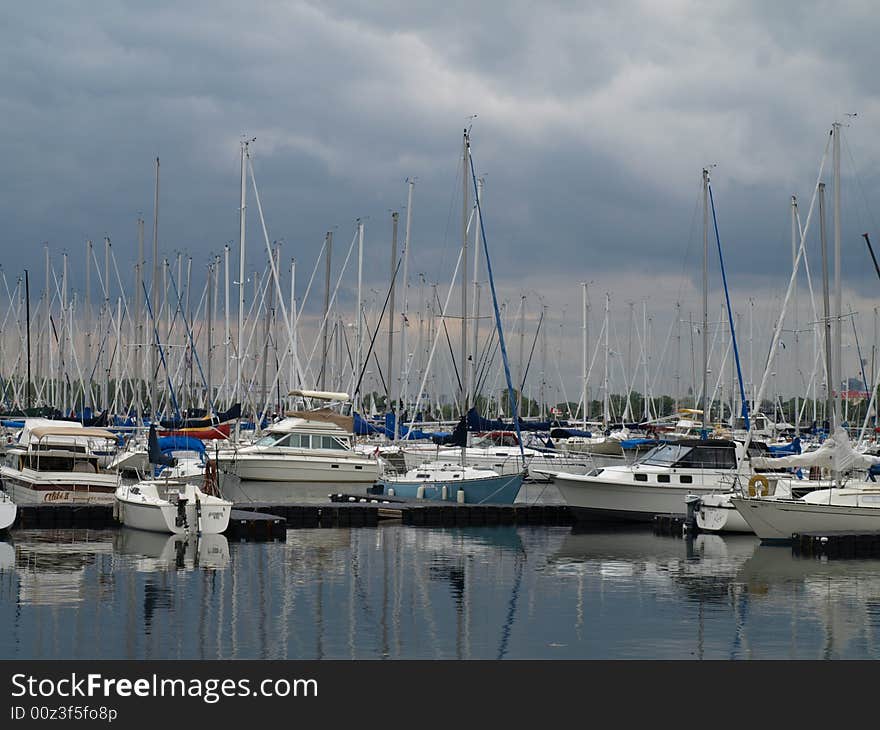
(227, 341)
(138, 318)
(476, 303)
(838, 302)
(88, 324)
(328, 250)
(359, 329)
(154, 296)
(27, 298)
(242, 234)
(389, 386)
(209, 394)
(293, 319)
(606, 411)
(585, 333)
(794, 250)
(465, 210)
(706, 404)
(830, 414)
(404, 312)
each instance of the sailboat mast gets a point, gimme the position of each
(606, 411)
(242, 219)
(794, 252)
(328, 250)
(585, 352)
(404, 347)
(829, 362)
(465, 209)
(389, 386)
(838, 302)
(706, 404)
(154, 296)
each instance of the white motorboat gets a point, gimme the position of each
(8, 511)
(59, 462)
(656, 484)
(308, 447)
(171, 506)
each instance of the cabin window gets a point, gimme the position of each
(665, 455)
(663, 478)
(640, 477)
(331, 442)
(296, 441)
(267, 440)
(686, 479)
(423, 476)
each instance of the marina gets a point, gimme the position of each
(359, 331)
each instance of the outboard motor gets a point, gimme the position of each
(180, 520)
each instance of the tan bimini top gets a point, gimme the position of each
(94, 433)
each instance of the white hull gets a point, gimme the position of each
(780, 519)
(146, 512)
(716, 513)
(34, 487)
(629, 500)
(8, 511)
(290, 468)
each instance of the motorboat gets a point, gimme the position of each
(658, 483)
(307, 447)
(451, 482)
(171, 506)
(59, 462)
(168, 504)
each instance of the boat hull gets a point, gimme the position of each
(31, 487)
(8, 512)
(314, 469)
(777, 520)
(635, 502)
(489, 490)
(716, 513)
(158, 517)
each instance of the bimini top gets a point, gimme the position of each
(92, 433)
(320, 394)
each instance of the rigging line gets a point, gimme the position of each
(449, 343)
(531, 352)
(161, 354)
(376, 331)
(510, 395)
(742, 390)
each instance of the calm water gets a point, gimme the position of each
(401, 592)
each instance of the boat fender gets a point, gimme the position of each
(390, 491)
(420, 492)
(444, 493)
(753, 486)
(459, 496)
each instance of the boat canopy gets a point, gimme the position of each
(322, 415)
(320, 394)
(835, 453)
(92, 433)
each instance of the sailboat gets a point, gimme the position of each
(170, 505)
(852, 505)
(445, 479)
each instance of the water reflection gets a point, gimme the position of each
(404, 592)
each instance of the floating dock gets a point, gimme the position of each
(270, 521)
(836, 544)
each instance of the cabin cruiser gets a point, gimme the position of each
(308, 447)
(658, 483)
(59, 462)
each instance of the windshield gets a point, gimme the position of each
(665, 454)
(267, 440)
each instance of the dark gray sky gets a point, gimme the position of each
(593, 124)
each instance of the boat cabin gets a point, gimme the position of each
(700, 454)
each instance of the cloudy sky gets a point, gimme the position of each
(593, 122)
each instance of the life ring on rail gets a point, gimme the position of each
(753, 486)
